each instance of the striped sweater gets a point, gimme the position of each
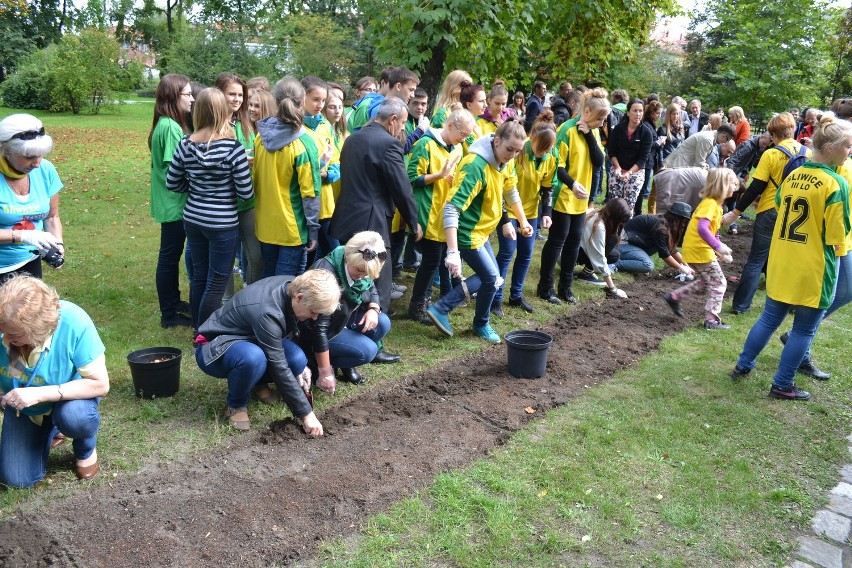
(214, 175)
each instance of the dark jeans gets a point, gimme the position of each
(326, 243)
(212, 264)
(597, 177)
(524, 247)
(172, 239)
(563, 244)
(431, 260)
(764, 224)
(352, 347)
(280, 260)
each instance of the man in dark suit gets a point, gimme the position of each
(373, 184)
(697, 119)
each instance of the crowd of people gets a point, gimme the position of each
(321, 205)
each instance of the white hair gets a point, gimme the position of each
(17, 123)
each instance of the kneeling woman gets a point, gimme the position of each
(485, 178)
(352, 335)
(52, 374)
(255, 335)
(647, 235)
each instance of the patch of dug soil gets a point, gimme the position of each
(271, 495)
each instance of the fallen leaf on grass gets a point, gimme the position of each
(541, 494)
(529, 410)
(586, 538)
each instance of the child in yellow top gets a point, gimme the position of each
(702, 247)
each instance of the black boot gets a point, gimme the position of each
(417, 312)
(546, 292)
(352, 376)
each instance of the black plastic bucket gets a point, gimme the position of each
(527, 353)
(155, 371)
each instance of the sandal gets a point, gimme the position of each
(238, 418)
(266, 395)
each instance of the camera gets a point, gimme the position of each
(53, 257)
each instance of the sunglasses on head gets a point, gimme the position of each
(28, 134)
(370, 254)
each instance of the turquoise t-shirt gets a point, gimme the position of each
(74, 344)
(27, 212)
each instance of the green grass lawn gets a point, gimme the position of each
(668, 464)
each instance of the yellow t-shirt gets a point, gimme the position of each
(695, 249)
(574, 156)
(802, 268)
(770, 169)
(486, 126)
(533, 174)
(428, 156)
(846, 171)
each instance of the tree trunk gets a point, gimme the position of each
(433, 71)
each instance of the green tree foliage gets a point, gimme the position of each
(315, 45)
(764, 55)
(202, 52)
(553, 39)
(840, 52)
(652, 70)
(80, 72)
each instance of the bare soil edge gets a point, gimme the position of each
(270, 496)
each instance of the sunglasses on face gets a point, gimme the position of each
(370, 254)
(28, 134)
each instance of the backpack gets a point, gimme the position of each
(793, 162)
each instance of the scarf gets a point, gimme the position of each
(313, 121)
(8, 171)
(352, 293)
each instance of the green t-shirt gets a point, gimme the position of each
(166, 206)
(247, 144)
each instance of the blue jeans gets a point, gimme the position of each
(279, 260)
(24, 445)
(244, 365)
(764, 225)
(212, 265)
(524, 247)
(351, 348)
(326, 243)
(633, 259)
(172, 239)
(843, 290)
(483, 282)
(597, 178)
(805, 324)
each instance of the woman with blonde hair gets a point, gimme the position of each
(212, 167)
(352, 335)
(580, 151)
(811, 232)
(261, 104)
(737, 117)
(431, 171)
(254, 336)
(450, 93)
(52, 377)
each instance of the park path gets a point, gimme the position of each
(829, 544)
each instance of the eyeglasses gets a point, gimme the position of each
(370, 254)
(28, 134)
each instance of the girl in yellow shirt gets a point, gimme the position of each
(702, 247)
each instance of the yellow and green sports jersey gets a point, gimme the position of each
(281, 180)
(486, 127)
(474, 136)
(695, 249)
(478, 193)
(846, 171)
(573, 153)
(811, 221)
(324, 136)
(428, 156)
(439, 118)
(770, 169)
(533, 174)
(329, 198)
